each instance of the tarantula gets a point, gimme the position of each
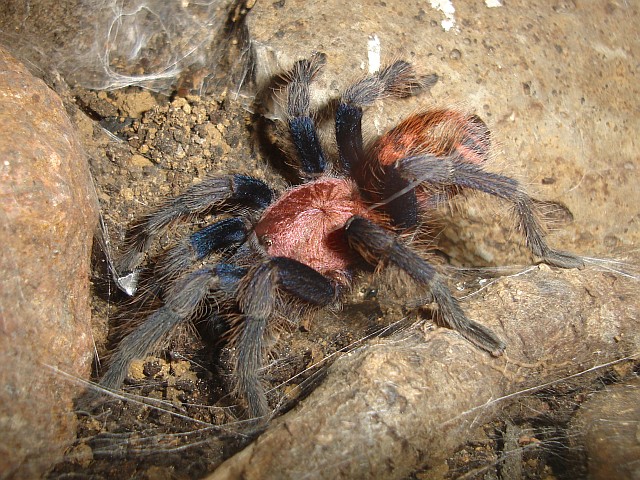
(302, 246)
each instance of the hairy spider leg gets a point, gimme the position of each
(437, 133)
(378, 246)
(226, 193)
(217, 237)
(183, 301)
(257, 297)
(455, 171)
(435, 154)
(396, 80)
(301, 125)
(185, 293)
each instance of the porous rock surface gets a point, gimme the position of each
(607, 430)
(47, 220)
(557, 84)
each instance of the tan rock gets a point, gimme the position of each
(47, 220)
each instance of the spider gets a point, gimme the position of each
(270, 253)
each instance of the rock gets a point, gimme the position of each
(48, 216)
(607, 430)
(406, 403)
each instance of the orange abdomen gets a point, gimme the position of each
(439, 133)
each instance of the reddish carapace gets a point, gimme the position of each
(307, 225)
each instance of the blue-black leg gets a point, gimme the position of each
(377, 245)
(301, 125)
(396, 80)
(216, 194)
(349, 135)
(453, 171)
(258, 299)
(401, 202)
(182, 302)
(217, 237)
(303, 282)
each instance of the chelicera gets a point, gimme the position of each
(269, 253)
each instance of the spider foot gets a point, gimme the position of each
(561, 259)
(483, 338)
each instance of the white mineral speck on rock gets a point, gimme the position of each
(373, 50)
(447, 8)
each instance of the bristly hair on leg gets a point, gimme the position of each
(300, 77)
(398, 80)
(301, 126)
(226, 193)
(376, 245)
